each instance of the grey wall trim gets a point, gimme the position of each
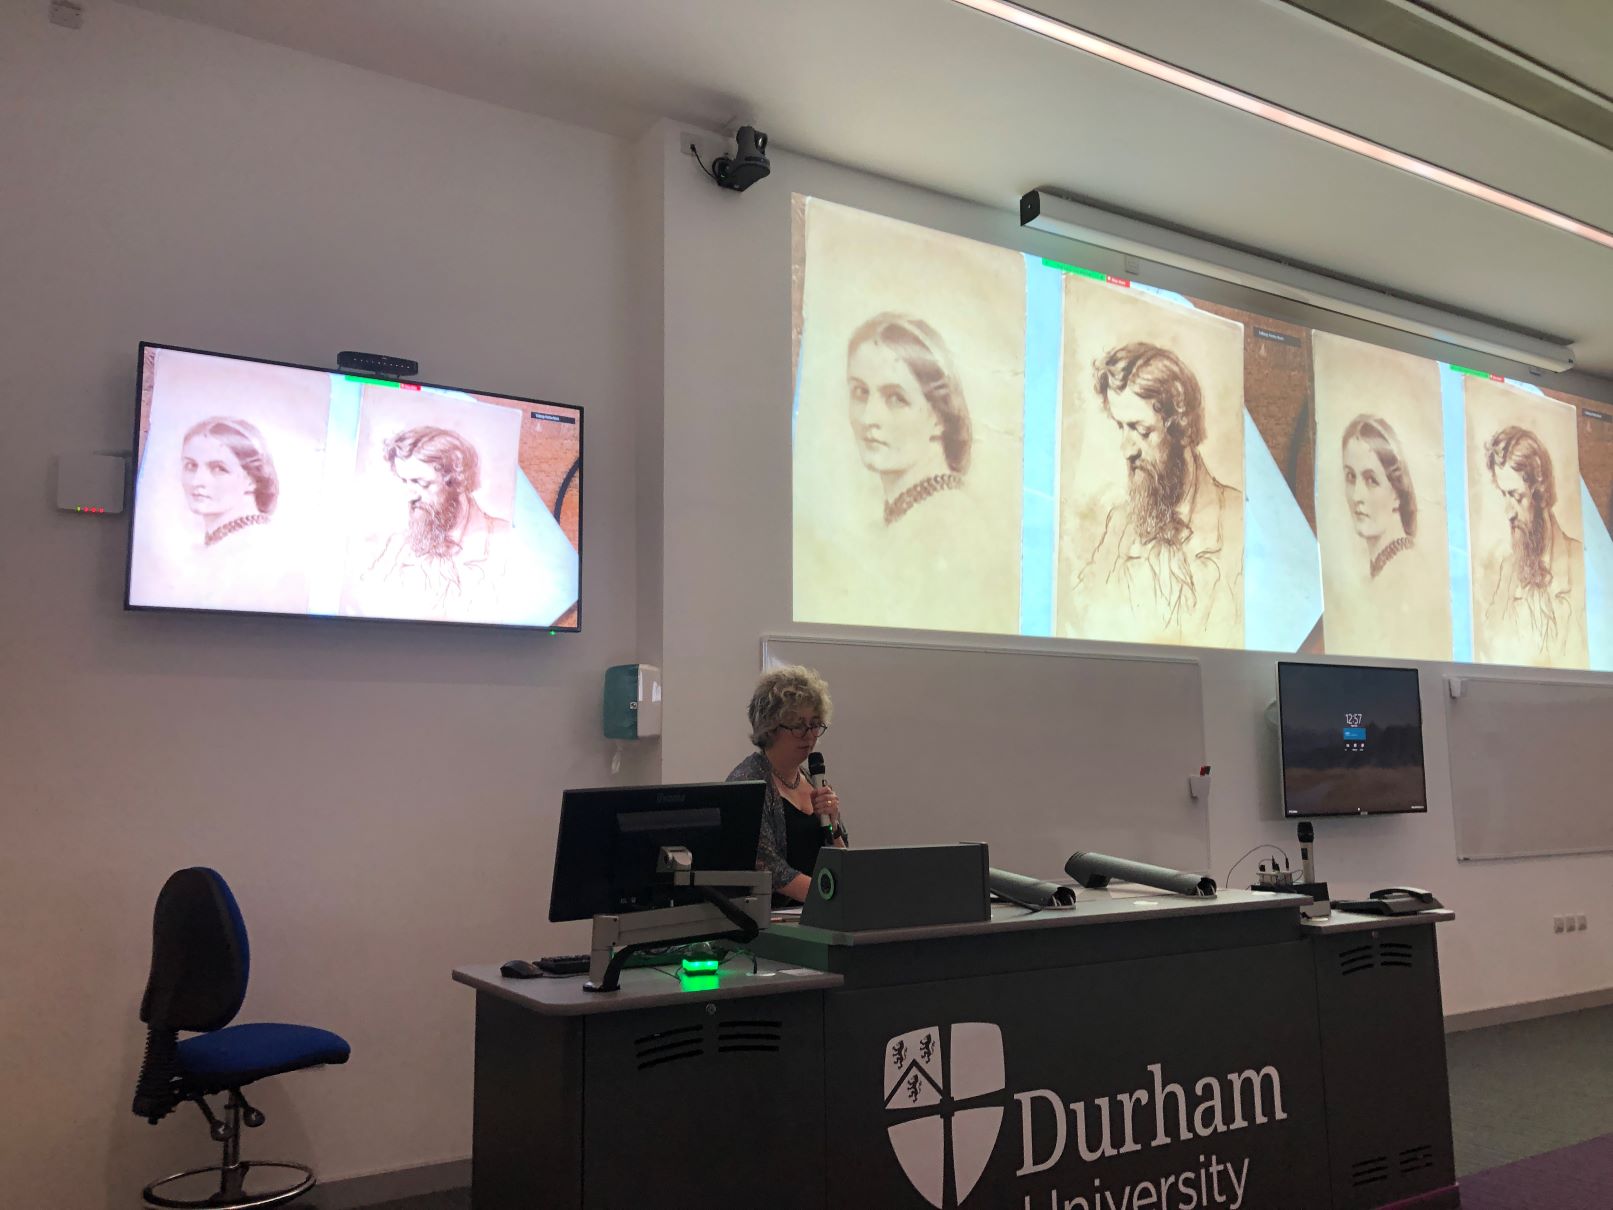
(1507, 1013)
(357, 1191)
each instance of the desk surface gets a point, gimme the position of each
(1092, 908)
(654, 987)
(645, 987)
(1360, 922)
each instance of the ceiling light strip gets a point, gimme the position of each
(1113, 52)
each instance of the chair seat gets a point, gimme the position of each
(238, 1054)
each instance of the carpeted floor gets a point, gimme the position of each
(1531, 1087)
(1572, 1178)
(1531, 1117)
(454, 1199)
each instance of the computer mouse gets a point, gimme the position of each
(520, 968)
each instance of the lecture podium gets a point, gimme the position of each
(1144, 1050)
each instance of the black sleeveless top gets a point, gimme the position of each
(802, 838)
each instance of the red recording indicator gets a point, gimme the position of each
(410, 386)
(1116, 281)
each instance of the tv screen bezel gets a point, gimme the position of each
(1282, 757)
(131, 500)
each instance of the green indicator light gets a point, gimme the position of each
(700, 983)
(372, 382)
(1076, 269)
(1465, 370)
(699, 966)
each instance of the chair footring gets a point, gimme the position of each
(231, 1193)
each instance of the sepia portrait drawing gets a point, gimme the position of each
(1526, 536)
(1151, 475)
(229, 483)
(1380, 501)
(908, 426)
(435, 485)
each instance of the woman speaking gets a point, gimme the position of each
(788, 712)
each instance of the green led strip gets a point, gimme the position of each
(1076, 269)
(373, 382)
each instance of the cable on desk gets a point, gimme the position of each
(1228, 883)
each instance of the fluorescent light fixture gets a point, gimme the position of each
(1113, 52)
(1091, 225)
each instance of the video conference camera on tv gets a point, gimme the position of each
(377, 365)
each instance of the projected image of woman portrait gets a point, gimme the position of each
(1527, 536)
(227, 497)
(1380, 501)
(908, 426)
(1151, 473)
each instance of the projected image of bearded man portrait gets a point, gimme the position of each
(907, 412)
(450, 552)
(1535, 603)
(1163, 552)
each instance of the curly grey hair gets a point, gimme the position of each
(782, 691)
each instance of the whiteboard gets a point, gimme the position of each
(1529, 767)
(1038, 753)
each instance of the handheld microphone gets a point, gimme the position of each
(817, 769)
(1307, 837)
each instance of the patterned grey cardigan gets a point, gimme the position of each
(770, 843)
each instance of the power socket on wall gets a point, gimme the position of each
(1575, 923)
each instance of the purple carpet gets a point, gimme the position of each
(1573, 1178)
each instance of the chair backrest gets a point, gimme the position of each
(199, 955)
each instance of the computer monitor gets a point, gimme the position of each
(1351, 739)
(611, 839)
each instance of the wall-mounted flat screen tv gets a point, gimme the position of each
(267, 488)
(1351, 739)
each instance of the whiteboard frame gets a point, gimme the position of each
(1456, 688)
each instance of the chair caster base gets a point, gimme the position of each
(231, 1193)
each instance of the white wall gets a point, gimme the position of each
(727, 581)
(381, 798)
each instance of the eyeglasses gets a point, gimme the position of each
(801, 730)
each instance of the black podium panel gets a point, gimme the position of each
(1383, 1058)
(708, 1104)
(1192, 1080)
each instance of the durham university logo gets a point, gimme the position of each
(943, 1095)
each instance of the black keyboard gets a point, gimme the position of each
(564, 964)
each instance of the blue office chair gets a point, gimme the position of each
(199, 963)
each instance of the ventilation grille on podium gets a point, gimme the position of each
(670, 1045)
(1357, 958)
(691, 1042)
(1370, 1171)
(1415, 1159)
(1378, 1168)
(748, 1035)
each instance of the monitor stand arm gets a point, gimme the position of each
(720, 917)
